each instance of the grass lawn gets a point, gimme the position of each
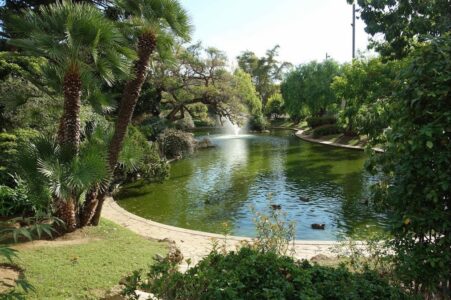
(287, 123)
(86, 263)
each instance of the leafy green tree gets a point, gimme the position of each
(265, 71)
(197, 77)
(275, 106)
(365, 87)
(416, 164)
(403, 23)
(308, 87)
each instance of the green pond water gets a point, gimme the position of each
(247, 173)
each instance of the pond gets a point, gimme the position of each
(312, 183)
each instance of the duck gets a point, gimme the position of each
(304, 199)
(276, 206)
(318, 226)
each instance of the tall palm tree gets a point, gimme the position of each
(82, 47)
(151, 24)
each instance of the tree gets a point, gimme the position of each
(365, 87)
(151, 25)
(197, 77)
(403, 23)
(308, 87)
(416, 161)
(82, 47)
(265, 71)
(275, 106)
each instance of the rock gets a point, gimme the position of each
(175, 255)
(158, 257)
(276, 206)
(318, 226)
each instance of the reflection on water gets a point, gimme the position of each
(313, 183)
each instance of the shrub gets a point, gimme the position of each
(326, 130)
(257, 123)
(143, 159)
(175, 143)
(314, 122)
(416, 165)
(15, 201)
(250, 274)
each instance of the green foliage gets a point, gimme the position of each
(275, 232)
(308, 87)
(245, 89)
(365, 87)
(175, 143)
(416, 186)
(314, 122)
(10, 144)
(403, 23)
(257, 123)
(265, 71)
(93, 45)
(140, 158)
(275, 106)
(15, 201)
(326, 130)
(250, 274)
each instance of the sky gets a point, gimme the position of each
(305, 29)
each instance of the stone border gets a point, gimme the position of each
(300, 134)
(196, 244)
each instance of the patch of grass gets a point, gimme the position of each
(87, 268)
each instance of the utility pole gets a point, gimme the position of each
(353, 31)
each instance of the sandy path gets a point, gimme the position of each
(196, 244)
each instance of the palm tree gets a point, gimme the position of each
(82, 47)
(151, 24)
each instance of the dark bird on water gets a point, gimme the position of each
(276, 206)
(304, 199)
(319, 226)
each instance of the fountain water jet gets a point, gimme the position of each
(230, 128)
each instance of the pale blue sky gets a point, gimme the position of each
(304, 29)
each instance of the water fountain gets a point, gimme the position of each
(231, 128)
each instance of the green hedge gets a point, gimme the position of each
(314, 122)
(251, 274)
(326, 130)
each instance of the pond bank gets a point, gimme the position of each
(197, 244)
(300, 133)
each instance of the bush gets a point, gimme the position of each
(10, 143)
(175, 143)
(14, 201)
(314, 122)
(143, 157)
(250, 274)
(326, 130)
(257, 123)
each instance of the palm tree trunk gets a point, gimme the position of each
(130, 96)
(66, 211)
(69, 128)
(69, 136)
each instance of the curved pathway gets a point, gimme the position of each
(196, 244)
(300, 134)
